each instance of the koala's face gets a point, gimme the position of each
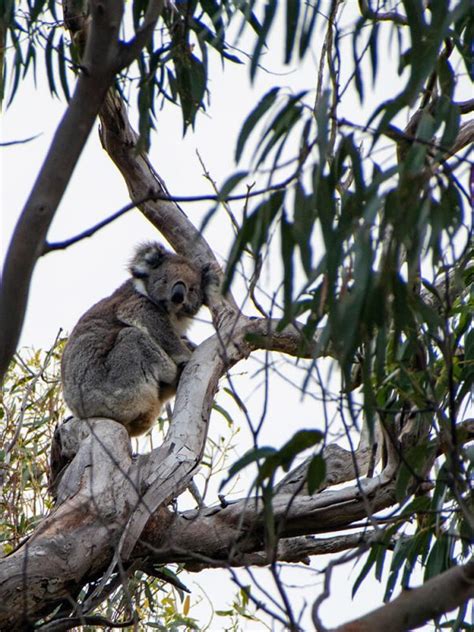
(176, 287)
(170, 281)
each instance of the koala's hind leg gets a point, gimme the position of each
(137, 360)
(130, 391)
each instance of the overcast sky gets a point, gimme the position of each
(66, 283)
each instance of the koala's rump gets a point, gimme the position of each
(116, 373)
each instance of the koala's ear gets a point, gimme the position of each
(147, 257)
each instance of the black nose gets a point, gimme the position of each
(178, 293)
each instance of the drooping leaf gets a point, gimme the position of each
(252, 456)
(254, 232)
(63, 69)
(316, 473)
(252, 119)
(308, 23)
(269, 15)
(292, 15)
(287, 250)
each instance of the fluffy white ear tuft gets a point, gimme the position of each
(147, 257)
(139, 286)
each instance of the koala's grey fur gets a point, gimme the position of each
(125, 355)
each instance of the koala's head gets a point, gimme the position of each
(173, 283)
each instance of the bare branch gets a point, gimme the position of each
(466, 106)
(390, 16)
(290, 550)
(416, 606)
(121, 143)
(223, 534)
(131, 49)
(19, 142)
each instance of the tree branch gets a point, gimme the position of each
(120, 141)
(131, 49)
(390, 16)
(289, 550)
(414, 607)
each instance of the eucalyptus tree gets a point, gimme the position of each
(367, 221)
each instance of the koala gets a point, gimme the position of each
(125, 355)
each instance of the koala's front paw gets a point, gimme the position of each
(190, 345)
(181, 367)
(183, 357)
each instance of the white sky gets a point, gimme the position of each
(66, 283)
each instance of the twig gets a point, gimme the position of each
(8, 143)
(390, 16)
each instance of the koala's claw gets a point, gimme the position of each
(182, 366)
(211, 281)
(211, 274)
(190, 345)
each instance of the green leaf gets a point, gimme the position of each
(49, 49)
(287, 250)
(251, 121)
(398, 559)
(62, 69)
(270, 9)
(316, 473)
(284, 457)
(359, 84)
(252, 456)
(446, 76)
(321, 112)
(227, 416)
(249, 16)
(36, 10)
(230, 184)
(191, 79)
(301, 440)
(365, 569)
(439, 557)
(292, 15)
(304, 215)
(254, 231)
(214, 11)
(412, 464)
(373, 49)
(281, 126)
(311, 10)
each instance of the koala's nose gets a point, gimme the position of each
(178, 292)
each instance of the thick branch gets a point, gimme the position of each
(416, 606)
(77, 539)
(121, 143)
(290, 550)
(223, 533)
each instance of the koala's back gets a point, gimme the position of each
(111, 366)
